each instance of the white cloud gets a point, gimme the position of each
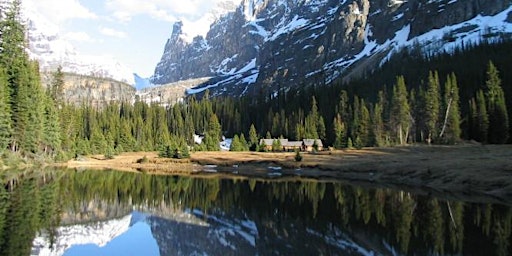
(195, 14)
(58, 11)
(79, 37)
(125, 10)
(112, 32)
(165, 10)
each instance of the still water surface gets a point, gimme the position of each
(119, 213)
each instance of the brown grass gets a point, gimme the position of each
(469, 169)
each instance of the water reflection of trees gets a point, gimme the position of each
(410, 223)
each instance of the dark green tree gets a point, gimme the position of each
(51, 133)
(56, 87)
(400, 116)
(482, 118)
(496, 107)
(339, 133)
(432, 107)
(5, 117)
(253, 138)
(451, 132)
(213, 134)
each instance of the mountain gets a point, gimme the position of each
(51, 50)
(46, 45)
(271, 45)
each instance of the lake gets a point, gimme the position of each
(68, 212)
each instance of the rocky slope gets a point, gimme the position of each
(94, 91)
(271, 45)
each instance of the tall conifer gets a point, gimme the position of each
(400, 116)
(496, 107)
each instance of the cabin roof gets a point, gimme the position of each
(311, 142)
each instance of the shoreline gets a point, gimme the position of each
(477, 170)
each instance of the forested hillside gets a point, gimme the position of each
(440, 99)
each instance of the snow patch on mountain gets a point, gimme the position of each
(52, 51)
(294, 24)
(446, 39)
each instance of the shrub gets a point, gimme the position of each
(298, 156)
(143, 160)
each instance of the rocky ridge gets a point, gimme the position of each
(90, 90)
(272, 45)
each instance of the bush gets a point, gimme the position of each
(298, 156)
(62, 156)
(143, 160)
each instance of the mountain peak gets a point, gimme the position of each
(277, 44)
(51, 51)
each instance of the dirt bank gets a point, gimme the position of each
(475, 170)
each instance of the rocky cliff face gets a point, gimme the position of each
(274, 44)
(81, 89)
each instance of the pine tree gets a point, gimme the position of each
(339, 132)
(496, 107)
(451, 132)
(5, 117)
(253, 138)
(243, 142)
(432, 106)
(15, 62)
(235, 144)
(213, 134)
(51, 132)
(378, 125)
(56, 87)
(482, 118)
(400, 117)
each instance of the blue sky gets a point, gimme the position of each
(132, 31)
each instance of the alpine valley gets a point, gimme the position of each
(267, 46)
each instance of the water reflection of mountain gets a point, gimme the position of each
(98, 233)
(227, 235)
(186, 215)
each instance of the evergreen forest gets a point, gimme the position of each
(413, 98)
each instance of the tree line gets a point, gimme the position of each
(427, 107)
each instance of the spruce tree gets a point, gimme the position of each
(496, 107)
(243, 142)
(378, 125)
(213, 134)
(253, 138)
(451, 131)
(482, 118)
(235, 144)
(51, 133)
(56, 87)
(432, 106)
(339, 132)
(400, 117)
(5, 117)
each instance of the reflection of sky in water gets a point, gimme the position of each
(138, 240)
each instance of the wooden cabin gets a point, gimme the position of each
(292, 146)
(309, 145)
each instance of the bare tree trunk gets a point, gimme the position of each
(400, 134)
(446, 117)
